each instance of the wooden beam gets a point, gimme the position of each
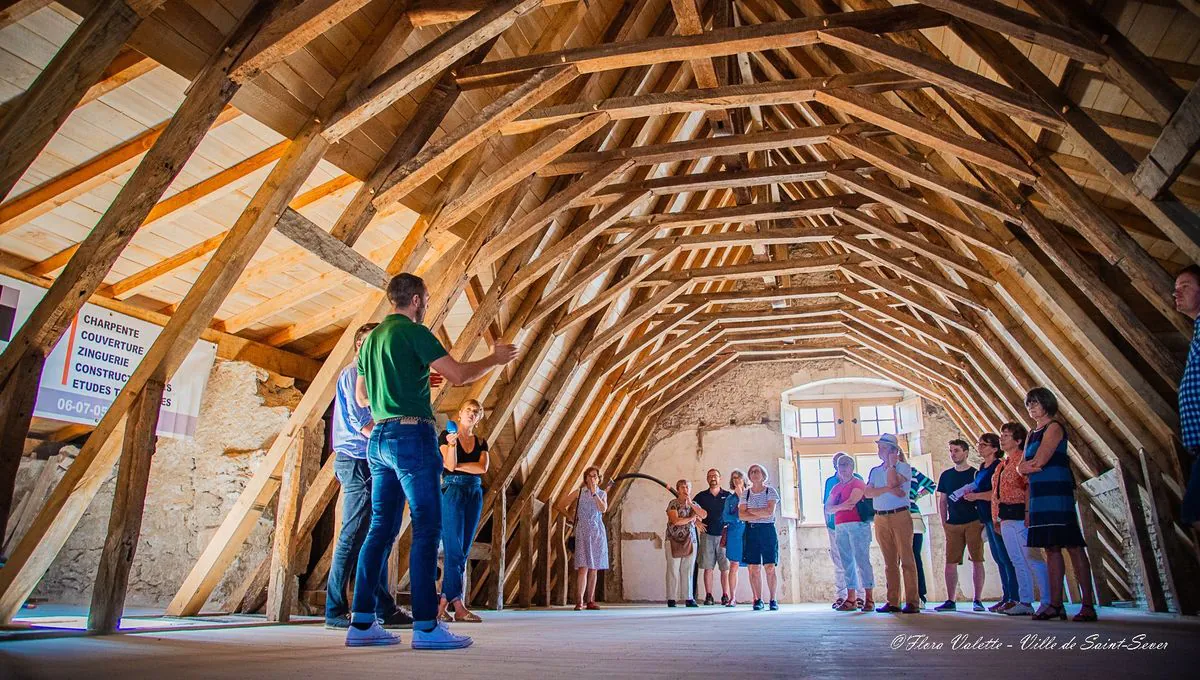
(439, 155)
(574, 192)
(55, 311)
(290, 31)
(614, 291)
(281, 588)
(332, 251)
(65, 507)
(943, 74)
(716, 43)
(1173, 150)
(1028, 27)
(919, 128)
(711, 99)
(30, 124)
(526, 566)
(497, 562)
(125, 518)
(425, 63)
(523, 165)
(79, 180)
(691, 149)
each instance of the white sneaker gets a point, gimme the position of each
(375, 636)
(1019, 609)
(439, 638)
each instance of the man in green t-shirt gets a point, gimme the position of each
(393, 379)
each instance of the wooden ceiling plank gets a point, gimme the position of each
(29, 125)
(1028, 27)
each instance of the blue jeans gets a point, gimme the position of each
(405, 464)
(854, 546)
(1008, 574)
(354, 474)
(462, 502)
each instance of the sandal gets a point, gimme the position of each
(579, 607)
(591, 606)
(868, 606)
(846, 606)
(1086, 613)
(469, 617)
(445, 617)
(838, 602)
(858, 603)
(1051, 612)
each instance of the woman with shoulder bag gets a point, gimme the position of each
(680, 544)
(589, 502)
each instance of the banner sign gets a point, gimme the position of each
(96, 356)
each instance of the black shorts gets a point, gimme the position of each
(761, 544)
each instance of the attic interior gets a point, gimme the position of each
(963, 198)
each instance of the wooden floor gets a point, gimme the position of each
(637, 642)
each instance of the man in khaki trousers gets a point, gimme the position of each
(887, 485)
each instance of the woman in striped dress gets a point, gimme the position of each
(1053, 522)
(591, 540)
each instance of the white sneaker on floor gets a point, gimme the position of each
(375, 636)
(1019, 609)
(439, 638)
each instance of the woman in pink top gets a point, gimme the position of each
(1009, 514)
(853, 535)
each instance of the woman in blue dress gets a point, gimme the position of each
(1051, 516)
(734, 528)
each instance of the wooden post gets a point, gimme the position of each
(281, 587)
(542, 571)
(525, 538)
(125, 519)
(17, 396)
(564, 563)
(1090, 524)
(1178, 558)
(497, 567)
(1139, 533)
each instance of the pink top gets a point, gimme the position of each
(840, 494)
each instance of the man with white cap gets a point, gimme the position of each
(887, 486)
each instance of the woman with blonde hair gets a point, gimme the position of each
(760, 548)
(464, 462)
(591, 540)
(735, 530)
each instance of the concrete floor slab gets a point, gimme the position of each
(644, 641)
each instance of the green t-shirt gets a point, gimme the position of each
(394, 361)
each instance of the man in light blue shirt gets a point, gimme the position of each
(352, 426)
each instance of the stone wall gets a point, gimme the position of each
(193, 484)
(735, 422)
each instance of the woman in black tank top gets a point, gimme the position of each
(464, 461)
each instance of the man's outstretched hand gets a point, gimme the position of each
(502, 354)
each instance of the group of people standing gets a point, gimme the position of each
(1021, 499)
(723, 529)
(388, 454)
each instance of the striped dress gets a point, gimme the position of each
(1053, 522)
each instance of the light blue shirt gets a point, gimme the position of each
(878, 479)
(348, 417)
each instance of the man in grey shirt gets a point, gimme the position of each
(887, 487)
